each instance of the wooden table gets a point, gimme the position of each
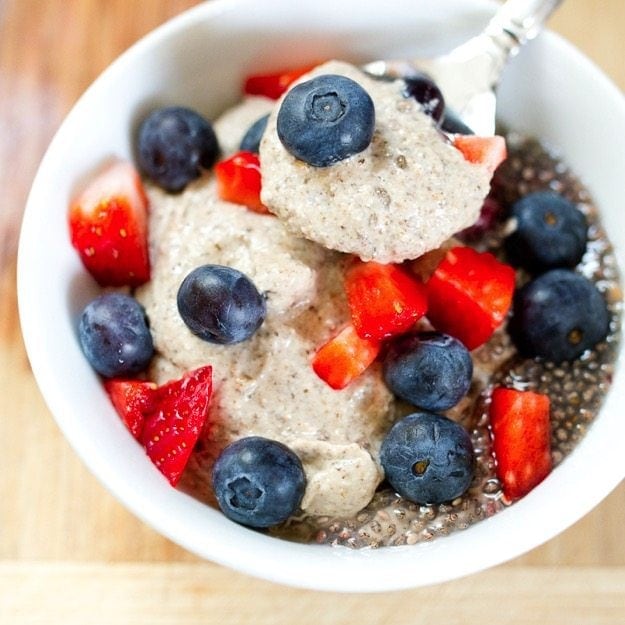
(69, 553)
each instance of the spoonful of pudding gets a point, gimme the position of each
(368, 161)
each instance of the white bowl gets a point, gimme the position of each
(550, 90)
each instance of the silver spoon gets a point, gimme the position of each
(469, 74)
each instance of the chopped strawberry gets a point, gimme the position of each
(383, 299)
(239, 182)
(273, 85)
(487, 151)
(469, 295)
(108, 227)
(133, 400)
(344, 357)
(174, 425)
(521, 439)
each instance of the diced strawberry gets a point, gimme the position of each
(487, 151)
(521, 439)
(344, 357)
(133, 400)
(383, 299)
(239, 181)
(469, 295)
(274, 84)
(108, 227)
(173, 427)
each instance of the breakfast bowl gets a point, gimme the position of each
(200, 60)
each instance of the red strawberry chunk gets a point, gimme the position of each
(133, 400)
(521, 439)
(172, 429)
(344, 357)
(108, 227)
(489, 152)
(273, 85)
(239, 181)
(383, 299)
(469, 295)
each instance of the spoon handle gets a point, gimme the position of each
(518, 21)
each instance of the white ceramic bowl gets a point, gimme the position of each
(199, 59)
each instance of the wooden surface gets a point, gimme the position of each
(69, 552)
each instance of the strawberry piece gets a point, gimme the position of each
(173, 427)
(108, 227)
(273, 85)
(521, 439)
(133, 400)
(383, 299)
(469, 295)
(344, 357)
(489, 152)
(239, 181)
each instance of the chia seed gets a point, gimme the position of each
(576, 389)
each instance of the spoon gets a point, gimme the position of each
(469, 74)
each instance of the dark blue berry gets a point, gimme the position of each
(430, 370)
(251, 139)
(426, 92)
(558, 316)
(550, 232)
(427, 458)
(114, 335)
(326, 119)
(258, 482)
(174, 144)
(453, 124)
(220, 304)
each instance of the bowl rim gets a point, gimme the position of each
(308, 566)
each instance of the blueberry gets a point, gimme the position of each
(258, 482)
(114, 335)
(426, 92)
(220, 304)
(326, 119)
(251, 139)
(174, 144)
(558, 316)
(550, 232)
(428, 458)
(430, 370)
(453, 124)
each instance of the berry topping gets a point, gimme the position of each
(550, 232)
(383, 299)
(174, 424)
(427, 458)
(326, 120)
(273, 85)
(133, 400)
(430, 370)
(258, 482)
(220, 304)
(426, 92)
(239, 181)
(489, 152)
(251, 139)
(453, 125)
(521, 439)
(469, 295)
(558, 316)
(344, 357)
(114, 335)
(108, 227)
(173, 145)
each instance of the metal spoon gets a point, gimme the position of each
(469, 74)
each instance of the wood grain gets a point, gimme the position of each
(65, 542)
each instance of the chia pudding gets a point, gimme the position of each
(265, 386)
